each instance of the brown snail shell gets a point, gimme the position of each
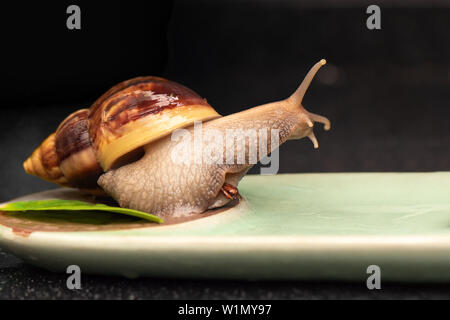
(115, 128)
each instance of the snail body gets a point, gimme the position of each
(123, 146)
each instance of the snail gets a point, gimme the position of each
(123, 146)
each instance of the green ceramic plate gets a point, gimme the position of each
(302, 226)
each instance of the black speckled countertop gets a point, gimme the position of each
(21, 281)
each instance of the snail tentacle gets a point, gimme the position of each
(297, 97)
(313, 139)
(321, 119)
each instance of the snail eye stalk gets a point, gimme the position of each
(297, 97)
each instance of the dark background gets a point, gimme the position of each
(386, 91)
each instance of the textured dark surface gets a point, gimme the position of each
(386, 93)
(20, 281)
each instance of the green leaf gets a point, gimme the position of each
(73, 205)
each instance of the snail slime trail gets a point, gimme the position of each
(122, 146)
